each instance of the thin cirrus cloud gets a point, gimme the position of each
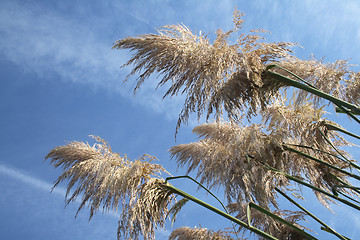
(13, 173)
(322, 27)
(42, 41)
(33, 182)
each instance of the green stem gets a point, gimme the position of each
(311, 215)
(188, 177)
(327, 230)
(357, 207)
(339, 110)
(333, 127)
(312, 90)
(342, 105)
(355, 189)
(319, 150)
(352, 199)
(332, 145)
(322, 162)
(302, 80)
(257, 207)
(336, 193)
(221, 213)
(185, 176)
(350, 112)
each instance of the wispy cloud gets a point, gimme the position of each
(77, 46)
(43, 41)
(30, 180)
(117, 5)
(35, 182)
(36, 213)
(322, 27)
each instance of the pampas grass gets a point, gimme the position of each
(232, 156)
(220, 76)
(202, 70)
(105, 179)
(251, 162)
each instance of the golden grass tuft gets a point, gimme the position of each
(204, 70)
(233, 156)
(225, 157)
(106, 180)
(146, 212)
(221, 77)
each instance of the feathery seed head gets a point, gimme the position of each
(107, 179)
(232, 156)
(225, 156)
(205, 71)
(220, 76)
(147, 211)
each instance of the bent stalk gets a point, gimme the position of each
(219, 212)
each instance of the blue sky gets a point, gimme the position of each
(60, 81)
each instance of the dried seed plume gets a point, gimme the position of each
(106, 180)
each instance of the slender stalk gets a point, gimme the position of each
(352, 199)
(357, 207)
(344, 185)
(313, 90)
(322, 162)
(185, 176)
(322, 151)
(333, 127)
(302, 80)
(327, 230)
(257, 207)
(342, 105)
(311, 215)
(336, 193)
(344, 158)
(221, 213)
(350, 112)
(332, 145)
(339, 110)
(188, 177)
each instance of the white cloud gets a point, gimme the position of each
(48, 41)
(37, 183)
(43, 41)
(32, 211)
(325, 28)
(30, 180)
